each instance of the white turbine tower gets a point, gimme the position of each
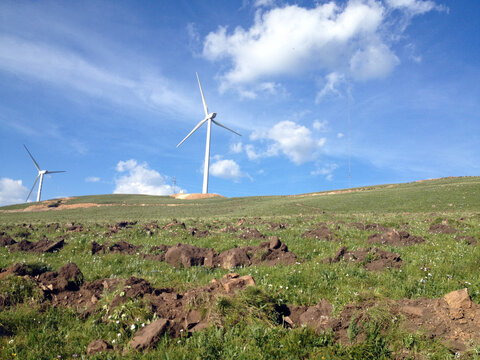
(40, 175)
(209, 119)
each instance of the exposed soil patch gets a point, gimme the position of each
(185, 255)
(452, 319)
(196, 196)
(468, 239)
(373, 259)
(121, 247)
(199, 233)
(113, 229)
(174, 224)
(442, 229)
(6, 240)
(249, 234)
(322, 232)
(41, 246)
(395, 238)
(369, 227)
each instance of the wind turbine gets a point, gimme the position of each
(40, 175)
(208, 119)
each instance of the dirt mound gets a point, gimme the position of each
(188, 255)
(368, 227)
(121, 247)
(175, 224)
(6, 240)
(442, 229)
(196, 196)
(452, 319)
(372, 259)
(468, 239)
(395, 238)
(68, 277)
(22, 270)
(270, 253)
(199, 233)
(249, 234)
(41, 246)
(322, 232)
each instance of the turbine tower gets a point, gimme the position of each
(208, 119)
(40, 175)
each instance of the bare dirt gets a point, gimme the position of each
(42, 246)
(395, 238)
(369, 227)
(322, 232)
(452, 319)
(196, 196)
(270, 253)
(442, 229)
(372, 259)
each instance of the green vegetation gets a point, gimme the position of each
(251, 324)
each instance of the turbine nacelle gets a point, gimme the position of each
(212, 115)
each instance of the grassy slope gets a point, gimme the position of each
(443, 195)
(451, 264)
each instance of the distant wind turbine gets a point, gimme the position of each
(209, 119)
(40, 175)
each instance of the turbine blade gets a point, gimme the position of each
(203, 97)
(217, 123)
(36, 165)
(33, 187)
(191, 132)
(54, 172)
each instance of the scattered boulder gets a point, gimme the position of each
(97, 346)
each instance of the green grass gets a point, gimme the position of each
(250, 327)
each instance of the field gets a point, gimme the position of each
(381, 272)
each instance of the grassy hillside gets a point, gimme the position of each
(366, 303)
(443, 195)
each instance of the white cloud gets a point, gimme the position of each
(12, 191)
(289, 138)
(353, 38)
(333, 80)
(327, 171)
(340, 135)
(265, 3)
(415, 7)
(226, 169)
(140, 179)
(92, 179)
(375, 61)
(320, 125)
(236, 148)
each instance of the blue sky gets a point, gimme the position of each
(107, 89)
